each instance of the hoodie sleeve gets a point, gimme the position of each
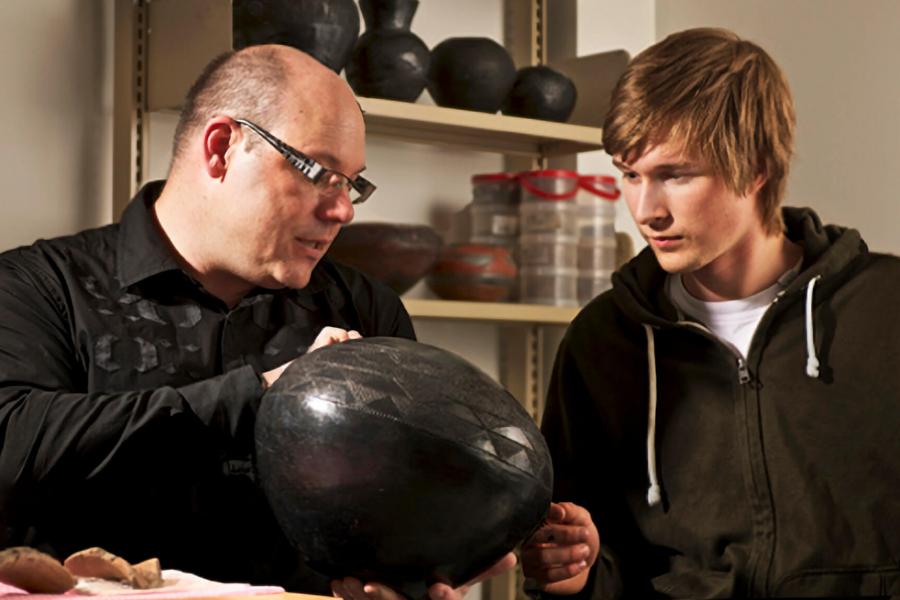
(585, 469)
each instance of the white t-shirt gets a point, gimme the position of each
(734, 321)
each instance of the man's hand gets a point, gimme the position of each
(559, 556)
(353, 589)
(332, 335)
(326, 337)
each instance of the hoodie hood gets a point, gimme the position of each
(639, 291)
(827, 251)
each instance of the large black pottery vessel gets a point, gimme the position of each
(399, 462)
(326, 29)
(541, 93)
(472, 73)
(389, 61)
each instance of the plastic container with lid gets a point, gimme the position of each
(495, 188)
(494, 219)
(548, 250)
(596, 254)
(548, 285)
(596, 201)
(548, 185)
(548, 202)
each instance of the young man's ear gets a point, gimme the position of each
(758, 183)
(219, 136)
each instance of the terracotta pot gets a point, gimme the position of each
(398, 255)
(389, 61)
(325, 29)
(476, 272)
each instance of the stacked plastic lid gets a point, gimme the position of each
(495, 210)
(558, 226)
(548, 241)
(596, 208)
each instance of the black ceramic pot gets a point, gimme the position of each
(541, 93)
(325, 29)
(389, 61)
(398, 462)
(471, 73)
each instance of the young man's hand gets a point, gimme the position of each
(559, 556)
(350, 588)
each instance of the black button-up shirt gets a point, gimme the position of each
(128, 395)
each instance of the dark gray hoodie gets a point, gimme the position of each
(711, 476)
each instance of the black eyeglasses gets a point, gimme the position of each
(329, 183)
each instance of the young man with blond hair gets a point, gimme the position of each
(724, 421)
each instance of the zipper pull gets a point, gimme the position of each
(743, 371)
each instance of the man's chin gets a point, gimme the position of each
(293, 280)
(674, 264)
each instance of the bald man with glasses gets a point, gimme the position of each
(133, 357)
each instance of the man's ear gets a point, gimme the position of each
(758, 183)
(219, 135)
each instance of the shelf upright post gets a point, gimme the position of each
(521, 368)
(129, 102)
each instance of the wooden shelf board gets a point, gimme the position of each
(475, 130)
(497, 312)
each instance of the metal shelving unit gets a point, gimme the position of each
(161, 45)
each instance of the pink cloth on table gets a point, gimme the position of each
(176, 584)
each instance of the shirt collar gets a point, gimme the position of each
(141, 249)
(143, 253)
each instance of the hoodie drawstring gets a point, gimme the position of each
(654, 494)
(812, 362)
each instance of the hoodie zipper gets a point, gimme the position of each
(742, 368)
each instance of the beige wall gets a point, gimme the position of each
(55, 117)
(840, 57)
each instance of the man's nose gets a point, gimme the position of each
(337, 208)
(648, 203)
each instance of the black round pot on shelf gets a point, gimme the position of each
(472, 73)
(389, 61)
(541, 93)
(325, 29)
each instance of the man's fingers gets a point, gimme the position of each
(333, 335)
(501, 566)
(541, 558)
(559, 534)
(377, 591)
(574, 514)
(442, 591)
(560, 573)
(556, 513)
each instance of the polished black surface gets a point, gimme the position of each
(399, 462)
(472, 73)
(326, 29)
(541, 93)
(389, 61)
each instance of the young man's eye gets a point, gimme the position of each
(678, 177)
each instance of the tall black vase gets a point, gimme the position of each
(389, 61)
(325, 29)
